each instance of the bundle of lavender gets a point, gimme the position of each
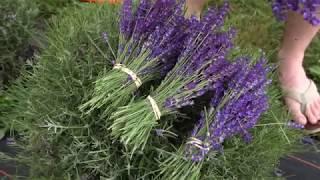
(237, 103)
(206, 45)
(151, 39)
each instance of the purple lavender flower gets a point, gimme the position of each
(146, 18)
(143, 9)
(126, 18)
(206, 48)
(158, 27)
(294, 125)
(236, 117)
(105, 36)
(309, 9)
(246, 79)
(215, 15)
(149, 16)
(166, 42)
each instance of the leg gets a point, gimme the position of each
(297, 37)
(194, 7)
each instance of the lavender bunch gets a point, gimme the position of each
(309, 9)
(239, 107)
(151, 39)
(235, 108)
(204, 48)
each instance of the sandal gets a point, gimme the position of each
(304, 98)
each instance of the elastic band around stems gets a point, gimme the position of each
(198, 143)
(133, 75)
(155, 107)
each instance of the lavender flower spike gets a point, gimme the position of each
(237, 105)
(126, 18)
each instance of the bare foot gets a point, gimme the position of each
(293, 76)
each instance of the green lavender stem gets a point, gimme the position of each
(110, 92)
(134, 124)
(177, 167)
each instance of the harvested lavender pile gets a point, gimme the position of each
(120, 133)
(205, 47)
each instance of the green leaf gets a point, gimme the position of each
(315, 70)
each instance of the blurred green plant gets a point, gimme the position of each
(52, 7)
(42, 105)
(21, 22)
(17, 22)
(312, 60)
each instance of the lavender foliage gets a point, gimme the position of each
(309, 9)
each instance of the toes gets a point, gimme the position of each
(317, 105)
(299, 118)
(295, 110)
(315, 108)
(317, 102)
(311, 117)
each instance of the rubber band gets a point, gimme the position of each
(133, 75)
(155, 107)
(197, 143)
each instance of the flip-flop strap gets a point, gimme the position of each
(312, 131)
(304, 98)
